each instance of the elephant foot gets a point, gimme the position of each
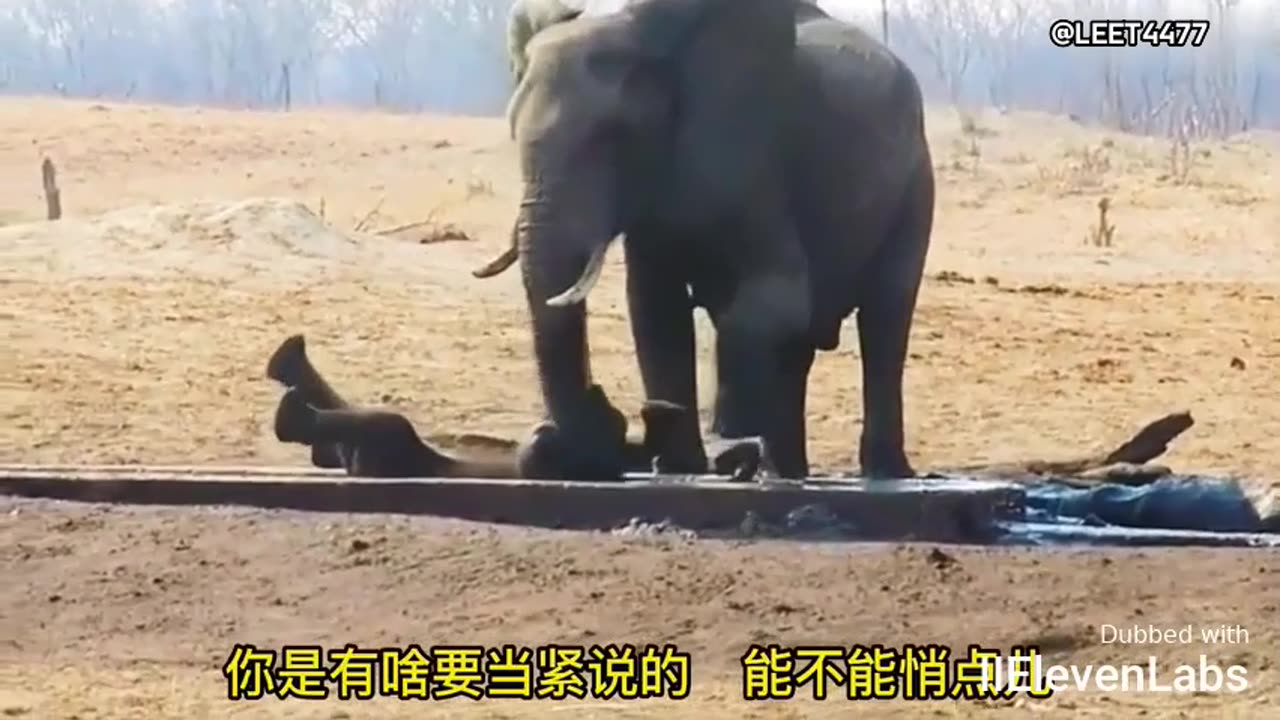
(592, 448)
(667, 439)
(548, 454)
(538, 457)
(286, 361)
(295, 420)
(886, 465)
(740, 460)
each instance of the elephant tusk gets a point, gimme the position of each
(590, 275)
(497, 265)
(662, 406)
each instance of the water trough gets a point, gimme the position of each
(950, 509)
(943, 511)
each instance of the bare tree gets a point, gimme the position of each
(448, 55)
(1009, 26)
(947, 31)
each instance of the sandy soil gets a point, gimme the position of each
(194, 240)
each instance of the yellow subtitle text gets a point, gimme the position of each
(875, 672)
(445, 672)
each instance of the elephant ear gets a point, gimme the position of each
(527, 19)
(524, 21)
(729, 66)
(513, 106)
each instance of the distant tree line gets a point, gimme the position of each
(448, 56)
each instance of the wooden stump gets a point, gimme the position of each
(52, 196)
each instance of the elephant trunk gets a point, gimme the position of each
(555, 251)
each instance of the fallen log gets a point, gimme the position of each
(1127, 464)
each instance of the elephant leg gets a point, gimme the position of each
(290, 366)
(892, 284)
(731, 420)
(763, 317)
(762, 393)
(762, 374)
(662, 329)
(376, 443)
(793, 386)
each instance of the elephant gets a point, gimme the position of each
(525, 19)
(384, 444)
(764, 161)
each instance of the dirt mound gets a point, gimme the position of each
(274, 238)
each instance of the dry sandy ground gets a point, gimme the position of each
(139, 335)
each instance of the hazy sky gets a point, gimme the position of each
(853, 7)
(1252, 8)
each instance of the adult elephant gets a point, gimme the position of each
(765, 161)
(525, 19)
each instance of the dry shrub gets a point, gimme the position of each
(431, 229)
(479, 187)
(1180, 161)
(1102, 234)
(445, 232)
(1238, 197)
(1082, 170)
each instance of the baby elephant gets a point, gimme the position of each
(384, 444)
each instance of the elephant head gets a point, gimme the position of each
(667, 113)
(526, 19)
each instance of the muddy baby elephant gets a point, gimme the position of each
(380, 443)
